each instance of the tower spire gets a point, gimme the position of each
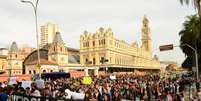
(58, 38)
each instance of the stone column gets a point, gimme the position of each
(96, 71)
(86, 71)
(97, 57)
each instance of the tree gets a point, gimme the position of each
(190, 34)
(196, 4)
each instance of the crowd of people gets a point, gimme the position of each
(127, 87)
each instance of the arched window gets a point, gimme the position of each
(93, 43)
(61, 49)
(34, 71)
(86, 60)
(29, 72)
(54, 49)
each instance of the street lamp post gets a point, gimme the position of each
(170, 47)
(196, 59)
(36, 25)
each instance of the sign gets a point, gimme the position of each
(166, 47)
(76, 74)
(40, 83)
(26, 84)
(87, 80)
(112, 77)
(12, 80)
(20, 97)
(75, 95)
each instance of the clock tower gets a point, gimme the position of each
(146, 35)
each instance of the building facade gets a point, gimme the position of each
(4, 51)
(48, 32)
(3, 58)
(15, 60)
(3, 62)
(54, 57)
(103, 49)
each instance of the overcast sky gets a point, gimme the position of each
(75, 16)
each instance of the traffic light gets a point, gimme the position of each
(166, 47)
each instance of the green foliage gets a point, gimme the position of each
(195, 3)
(190, 34)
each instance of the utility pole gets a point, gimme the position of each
(35, 6)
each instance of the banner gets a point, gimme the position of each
(87, 80)
(12, 81)
(40, 83)
(75, 95)
(76, 74)
(20, 97)
(26, 84)
(112, 77)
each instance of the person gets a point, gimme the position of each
(145, 97)
(3, 95)
(199, 94)
(34, 90)
(27, 91)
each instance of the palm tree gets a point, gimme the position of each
(190, 34)
(196, 4)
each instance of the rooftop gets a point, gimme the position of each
(42, 62)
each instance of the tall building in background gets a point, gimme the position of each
(48, 32)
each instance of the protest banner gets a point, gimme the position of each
(26, 84)
(12, 81)
(75, 95)
(21, 97)
(112, 77)
(40, 83)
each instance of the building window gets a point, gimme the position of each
(44, 71)
(54, 49)
(51, 70)
(86, 60)
(99, 42)
(34, 71)
(16, 56)
(102, 60)
(94, 61)
(29, 72)
(61, 70)
(93, 43)
(104, 41)
(87, 44)
(61, 49)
